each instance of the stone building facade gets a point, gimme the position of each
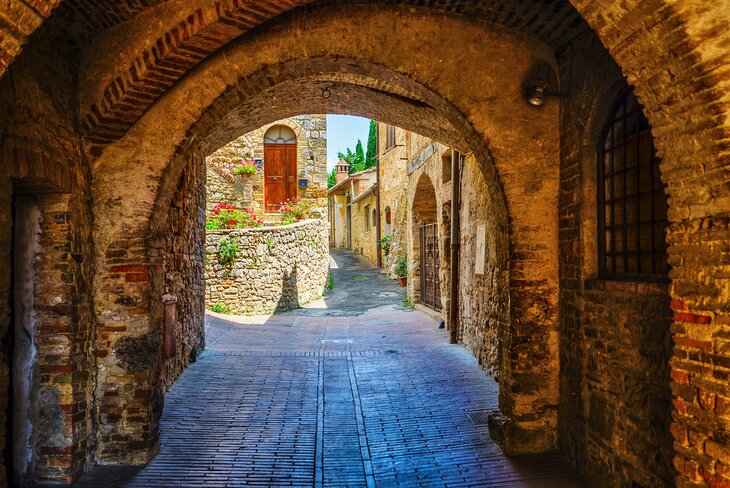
(244, 191)
(353, 211)
(108, 109)
(415, 189)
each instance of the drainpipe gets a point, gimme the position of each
(454, 270)
(377, 201)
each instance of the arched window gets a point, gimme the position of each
(280, 134)
(632, 204)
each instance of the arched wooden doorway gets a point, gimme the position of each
(425, 244)
(280, 167)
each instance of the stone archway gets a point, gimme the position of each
(672, 52)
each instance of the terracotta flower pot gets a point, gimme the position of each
(402, 280)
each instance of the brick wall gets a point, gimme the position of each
(615, 344)
(43, 157)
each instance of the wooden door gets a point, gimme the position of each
(430, 283)
(280, 175)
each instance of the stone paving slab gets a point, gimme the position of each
(376, 398)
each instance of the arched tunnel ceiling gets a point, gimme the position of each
(305, 96)
(189, 32)
(365, 89)
(551, 21)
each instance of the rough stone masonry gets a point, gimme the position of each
(108, 110)
(275, 269)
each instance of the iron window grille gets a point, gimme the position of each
(632, 203)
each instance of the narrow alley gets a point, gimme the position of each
(356, 390)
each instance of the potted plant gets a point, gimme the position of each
(385, 245)
(245, 168)
(401, 269)
(245, 171)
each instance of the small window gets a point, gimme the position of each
(389, 136)
(632, 203)
(387, 215)
(367, 218)
(375, 218)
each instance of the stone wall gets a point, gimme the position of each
(615, 343)
(483, 297)
(41, 159)
(276, 269)
(183, 262)
(224, 187)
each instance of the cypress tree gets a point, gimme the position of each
(372, 152)
(360, 156)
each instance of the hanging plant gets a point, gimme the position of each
(245, 168)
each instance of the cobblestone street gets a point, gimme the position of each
(372, 398)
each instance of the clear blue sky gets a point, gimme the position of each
(343, 131)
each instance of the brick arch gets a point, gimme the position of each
(18, 20)
(135, 148)
(676, 66)
(370, 90)
(115, 95)
(425, 203)
(187, 119)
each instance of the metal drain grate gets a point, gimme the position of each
(478, 417)
(335, 341)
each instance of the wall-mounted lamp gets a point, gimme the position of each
(541, 83)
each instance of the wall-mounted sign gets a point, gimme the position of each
(421, 157)
(259, 162)
(303, 183)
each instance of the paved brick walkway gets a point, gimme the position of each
(306, 399)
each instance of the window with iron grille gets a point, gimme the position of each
(389, 136)
(632, 204)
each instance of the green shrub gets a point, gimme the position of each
(295, 210)
(401, 266)
(408, 302)
(228, 251)
(385, 244)
(220, 308)
(225, 216)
